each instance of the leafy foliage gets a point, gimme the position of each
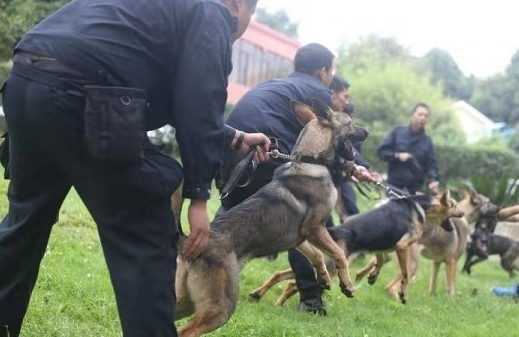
(18, 16)
(503, 191)
(278, 20)
(386, 85)
(445, 70)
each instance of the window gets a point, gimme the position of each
(253, 65)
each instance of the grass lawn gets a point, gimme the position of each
(73, 297)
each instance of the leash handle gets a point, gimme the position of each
(238, 172)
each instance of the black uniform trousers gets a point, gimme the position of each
(349, 198)
(130, 203)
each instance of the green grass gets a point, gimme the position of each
(73, 297)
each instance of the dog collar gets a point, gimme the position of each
(310, 160)
(420, 211)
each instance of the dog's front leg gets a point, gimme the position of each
(320, 238)
(434, 277)
(317, 259)
(450, 271)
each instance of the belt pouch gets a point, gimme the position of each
(114, 122)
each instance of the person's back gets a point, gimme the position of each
(129, 43)
(266, 107)
(85, 84)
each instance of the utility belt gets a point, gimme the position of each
(113, 115)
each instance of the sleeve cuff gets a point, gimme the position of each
(197, 193)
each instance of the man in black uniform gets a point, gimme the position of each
(347, 199)
(169, 60)
(266, 109)
(410, 154)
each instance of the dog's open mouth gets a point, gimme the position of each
(347, 151)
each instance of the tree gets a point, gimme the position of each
(387, 83)
(18, 16)
(279, 21)
(446, 71)
(497, 96)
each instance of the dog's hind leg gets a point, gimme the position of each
(379, 263)
(321, 239)
(214, 291)
(359, 275)
(317, 259)
(403, 261)
(290, 291)
(277, 277)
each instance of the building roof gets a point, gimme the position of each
(271, 40)
(473, 113)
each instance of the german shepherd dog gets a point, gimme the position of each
(484, 243)
(442, 246)
(292, 208)
(393, 226)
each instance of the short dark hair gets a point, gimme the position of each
(420, 105)
(312, 57)
(339, 83)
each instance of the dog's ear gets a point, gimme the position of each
(464, 193)
(303, 112)
(323, 112)
(446, 197)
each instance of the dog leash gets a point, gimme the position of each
(399, 194)
(391, 190)
(238, 171)
(247, 163)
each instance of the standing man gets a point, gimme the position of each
(86, 84)
(266, 109)
(410, 154)
(346, 197)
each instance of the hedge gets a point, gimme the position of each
(457, 161)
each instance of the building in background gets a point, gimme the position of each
(475, 125)
(260, 54)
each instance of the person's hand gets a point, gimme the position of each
(434, 187)
(199, 226)
(261, 142)
(362, 174)
(404, 156)
(377, 177)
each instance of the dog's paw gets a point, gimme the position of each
(347, 290)
(324, 284)
(372, 278)
(403, 298)
(254, 297)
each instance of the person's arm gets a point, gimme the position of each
(359, 159)
(432, 168)
(199, 97)
(386, 149)
(199, 94)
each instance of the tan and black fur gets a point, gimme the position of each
(288, 212)
(392, 226)
(446, 247)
